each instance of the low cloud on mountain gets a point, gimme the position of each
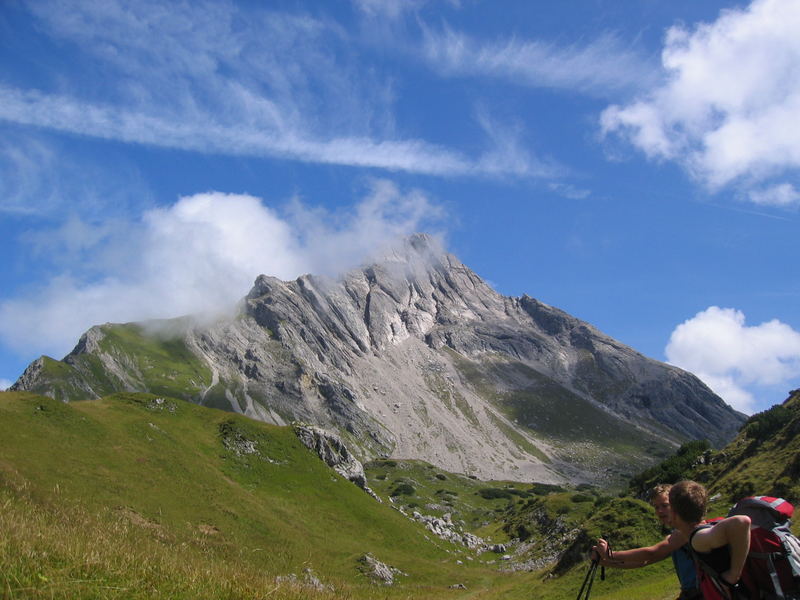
(199, 255)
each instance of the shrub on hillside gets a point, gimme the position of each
(403, 489)
(601, 501)
(542, 489)
(582, 498)
(671, 470)
(493, 493)
(761, 426)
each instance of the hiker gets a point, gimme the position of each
(674, 545)
(722, 547)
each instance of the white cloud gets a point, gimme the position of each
(784, 194)
(5, 384)
(601, 66)
(206, 135)
(214, 79)
(728, 103)
(729, 356)
(201, 255)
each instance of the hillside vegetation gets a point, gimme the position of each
(764, 457)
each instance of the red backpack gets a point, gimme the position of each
(772, 569)
(773, 563)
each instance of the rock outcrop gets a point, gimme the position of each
(330, 448)
(445, 529)
(377, 571)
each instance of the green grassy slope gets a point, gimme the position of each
(136, 496)
(165, 468)
(763, 459)
(159, 364)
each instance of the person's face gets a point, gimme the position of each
(663, 512)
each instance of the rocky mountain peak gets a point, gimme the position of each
(413, 355)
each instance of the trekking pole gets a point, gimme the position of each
(591, 581)
(588, 579)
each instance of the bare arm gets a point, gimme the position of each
(639, 557)
(734, 532)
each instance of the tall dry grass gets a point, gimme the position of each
(54, 550)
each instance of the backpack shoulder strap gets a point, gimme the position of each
(725, 589)
(694, 532)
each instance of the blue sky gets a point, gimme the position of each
(636, 164)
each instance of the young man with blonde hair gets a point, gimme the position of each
(674, 546)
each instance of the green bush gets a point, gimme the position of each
(761, 426)
(542, 489)
(582, 498)
(601, 501)
(493, 493)
(671, 470)
(403, 489)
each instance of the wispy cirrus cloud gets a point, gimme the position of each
(393, 9)
(39, 179)
(24, 164)
(201, 133)
(215, 79)
(726, 108)
(602, 66)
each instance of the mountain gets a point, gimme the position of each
(413, 356)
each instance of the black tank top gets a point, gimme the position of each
(718, 559)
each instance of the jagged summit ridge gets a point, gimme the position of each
(376, 307)
(415, 356)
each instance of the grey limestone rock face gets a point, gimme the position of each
(330, 448)
(415, 356)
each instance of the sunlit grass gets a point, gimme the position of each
(127, 497)
(59, 550)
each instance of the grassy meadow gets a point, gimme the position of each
(141, 496)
